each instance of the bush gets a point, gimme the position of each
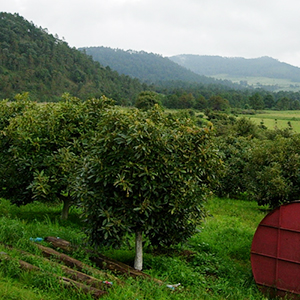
(146, 100)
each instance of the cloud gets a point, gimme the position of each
(249, 28)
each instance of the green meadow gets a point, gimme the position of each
(280, 119)
(213, 264)
(258, 82)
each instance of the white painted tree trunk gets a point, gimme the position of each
(138, 261)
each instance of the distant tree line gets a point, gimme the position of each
(180, 95)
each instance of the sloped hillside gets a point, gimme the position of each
(148, 67)
(31, 60)
(238, 66)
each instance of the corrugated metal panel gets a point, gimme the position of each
(275, 251)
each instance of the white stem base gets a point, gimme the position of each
(138, 261)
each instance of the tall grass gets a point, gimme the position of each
(213, 264)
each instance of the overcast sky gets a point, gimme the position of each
(233, 28)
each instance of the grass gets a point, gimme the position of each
(258, 82)
(279, 119)
(213, 264)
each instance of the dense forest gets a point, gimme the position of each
(218, 97)
(238, 66)
(31, 60)
(149, 67)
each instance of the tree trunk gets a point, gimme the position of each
(65, 211)
(138, 260)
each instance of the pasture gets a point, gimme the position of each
(280, 119)
(278, 84)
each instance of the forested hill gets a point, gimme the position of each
(31, 60)
(148, 67)
(238, 66)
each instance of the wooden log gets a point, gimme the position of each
(67, 282)
(87, 279)
(59, 243)
(105, 263)
(27, 266)
(102, 261)
(23, 264)
(74, 263)
(96, 293)
(73, 274)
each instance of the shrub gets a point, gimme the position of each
(147, 100)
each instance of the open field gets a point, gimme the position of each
(272, 119)
(257, 82)
(213, 264)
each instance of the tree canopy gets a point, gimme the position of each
(146, 172)
(41, 146)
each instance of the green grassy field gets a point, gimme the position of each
(213, 264)
(278, 119)
(257, 82)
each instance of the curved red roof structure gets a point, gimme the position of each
(275, 252)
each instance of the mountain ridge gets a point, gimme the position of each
(148, 67)
(264, 66)
(233, 72)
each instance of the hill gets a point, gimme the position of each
(31, 60)
(239, 68)
(148, 67)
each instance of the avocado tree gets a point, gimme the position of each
(274, 168)
(44, 145)
(12, 178)
(147, 100)
(145, 173)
